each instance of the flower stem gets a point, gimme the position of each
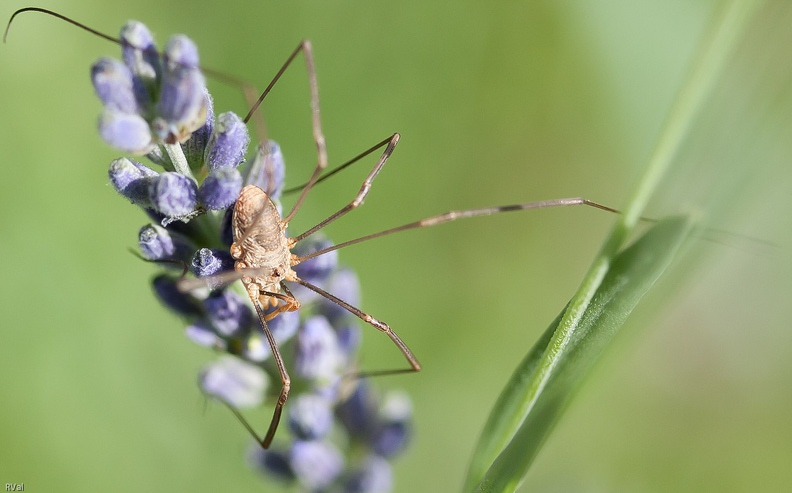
(179, 161)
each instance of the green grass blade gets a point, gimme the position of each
(533, 399)
(632, 273)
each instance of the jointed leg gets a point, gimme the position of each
(454, 215)
(364, 188)
(381, 326)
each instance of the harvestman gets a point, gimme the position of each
(263, 251)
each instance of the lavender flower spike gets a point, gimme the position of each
(332, 437)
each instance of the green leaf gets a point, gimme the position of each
(632, 273)
(541, 387)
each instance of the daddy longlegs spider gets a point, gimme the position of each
(263, 251)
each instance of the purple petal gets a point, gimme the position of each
(173, 195)
(316, 464)
(180, 52)
(208, 262)
(235, 382)
(140, 55)
(267, 170)
(220, 189)
(182, 106)
(125, 131)
(374, 475)
(167, 292)
(228, 313)
(112, 82)
(310, 417)
(131, 179)
(318, 354)
(228, 143)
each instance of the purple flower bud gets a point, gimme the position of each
(345, 285)
(391, 438)
(358, 413)
(256, 348)
(128, 132)
(228, 313)
(203, 335)
(155, 243)
(349, 338)
(158, 243)
(180, 52)
(182, 106)
(235, 382)
(112, 82)
(310, 417)
(228, 143)
(173, 195)
(208, 262)
(273, 463)
(284, 325)
(131, 179)
(317, 269)
(226, 231)
(267, 170)
(318, 355)
(220, 189)
(139, 52)
(394, 429)
(195, 147)
(170, 296)
(374, 475)
(396, 406)
(316, 464)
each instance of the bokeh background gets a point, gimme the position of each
(497, 102)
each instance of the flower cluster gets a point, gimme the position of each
(341, 432)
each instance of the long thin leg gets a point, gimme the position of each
(284, 393)
(364, 188)
(380, 326)
(285, 383)
(321, 149)
(454, 215)
(340, 167)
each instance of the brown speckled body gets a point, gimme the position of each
(260, 242)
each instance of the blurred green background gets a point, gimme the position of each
(497, 103)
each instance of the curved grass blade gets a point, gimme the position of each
(632, 273)
(540, 388)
